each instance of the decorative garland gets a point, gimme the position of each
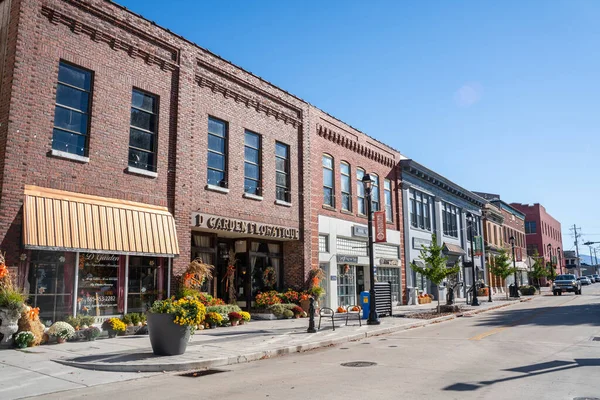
(269, 277)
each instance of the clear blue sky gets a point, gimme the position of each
(502, 97)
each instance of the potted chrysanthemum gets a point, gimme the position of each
(171, 322)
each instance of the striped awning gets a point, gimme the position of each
(60, 220)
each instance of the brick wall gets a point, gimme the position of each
(126, 51)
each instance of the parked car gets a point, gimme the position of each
(591, 278)
(596, 277)
(566, 283)
(584, 281)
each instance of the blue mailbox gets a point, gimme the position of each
(364, 303)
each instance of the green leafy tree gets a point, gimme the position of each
(435, 269)
(538, 269)
(502, 267)
(551, 271)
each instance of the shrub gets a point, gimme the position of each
(290, 296)
(73, 321)
(297, 310)
(266, 299)
(214, 318)
(126, 319)
(61, 330)
(135, 318)
(234, 316)
(92, 333)
(23, 339)
(279, 309)
(527, 290)
(245, 316)
(86, 320)
(224, 309)
(114, 324)
(288, 314)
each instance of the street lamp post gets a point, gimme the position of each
(512, 242)
(373, 317)
(471, 217)
(550, 257)
(559, 259)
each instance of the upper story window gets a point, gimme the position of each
(449, 217)
(346, 186)
(360, 192)
(142, 131)
(530, 227)
(328, 188)
(419, 210)
(282, 172)
(217, 152)
(387, 198)
(252, 170)
(72, 111)
(375, 192)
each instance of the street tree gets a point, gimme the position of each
(538, 270)
(551, 271)
(436, 269)
(502, 267)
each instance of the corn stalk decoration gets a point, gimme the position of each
(229, 278)
(197, 273)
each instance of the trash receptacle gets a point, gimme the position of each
(364, 303)
(511, 290)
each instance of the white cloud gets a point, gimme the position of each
(468, 94)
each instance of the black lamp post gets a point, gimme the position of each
(373, 317)
(516, 292)
(471, 217)
(559, 259)
(549, 246)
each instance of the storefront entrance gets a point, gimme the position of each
(351, 281)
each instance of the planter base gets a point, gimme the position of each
(166, 337)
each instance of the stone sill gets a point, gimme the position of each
(215, 188)
(326, 207)
(143, 172)
(69, 156)
(252, 197)
(283, 203)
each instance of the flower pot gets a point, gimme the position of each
(112, 333)
(8, 325)
(166, 337)
(234, 322)
(242, 322)
(60, 340)
(304, 304)
(296, 316)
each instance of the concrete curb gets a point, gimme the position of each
(264, 354)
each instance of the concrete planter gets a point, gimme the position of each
(166, 337)
(8, 326)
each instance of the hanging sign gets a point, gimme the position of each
(380, 229)
(478, 243)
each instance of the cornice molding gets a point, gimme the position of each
(238, 97)
(97, 35)
(353, 145)
(415, 169)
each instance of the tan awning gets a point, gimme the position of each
(453, 249)
(59, 220)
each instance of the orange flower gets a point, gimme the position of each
(3, 271)
(34, 313)
(315, 281)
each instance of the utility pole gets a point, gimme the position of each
(577, 262)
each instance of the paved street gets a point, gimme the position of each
(541, 349)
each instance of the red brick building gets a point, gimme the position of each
(126, 151)
(542, 233)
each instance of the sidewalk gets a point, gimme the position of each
(224, 346)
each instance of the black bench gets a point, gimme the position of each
(348, 314)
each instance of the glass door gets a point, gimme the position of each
(142, 283)
(346, 285)
(51, 285)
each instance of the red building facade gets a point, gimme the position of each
(542, 233)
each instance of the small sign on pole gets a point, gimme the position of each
(380, 229)
(478, 242)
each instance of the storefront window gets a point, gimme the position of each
(346, 285)
(266, 266)
(143, 286)
(98, 284)
(51, 284)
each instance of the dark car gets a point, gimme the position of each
(566, 283)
